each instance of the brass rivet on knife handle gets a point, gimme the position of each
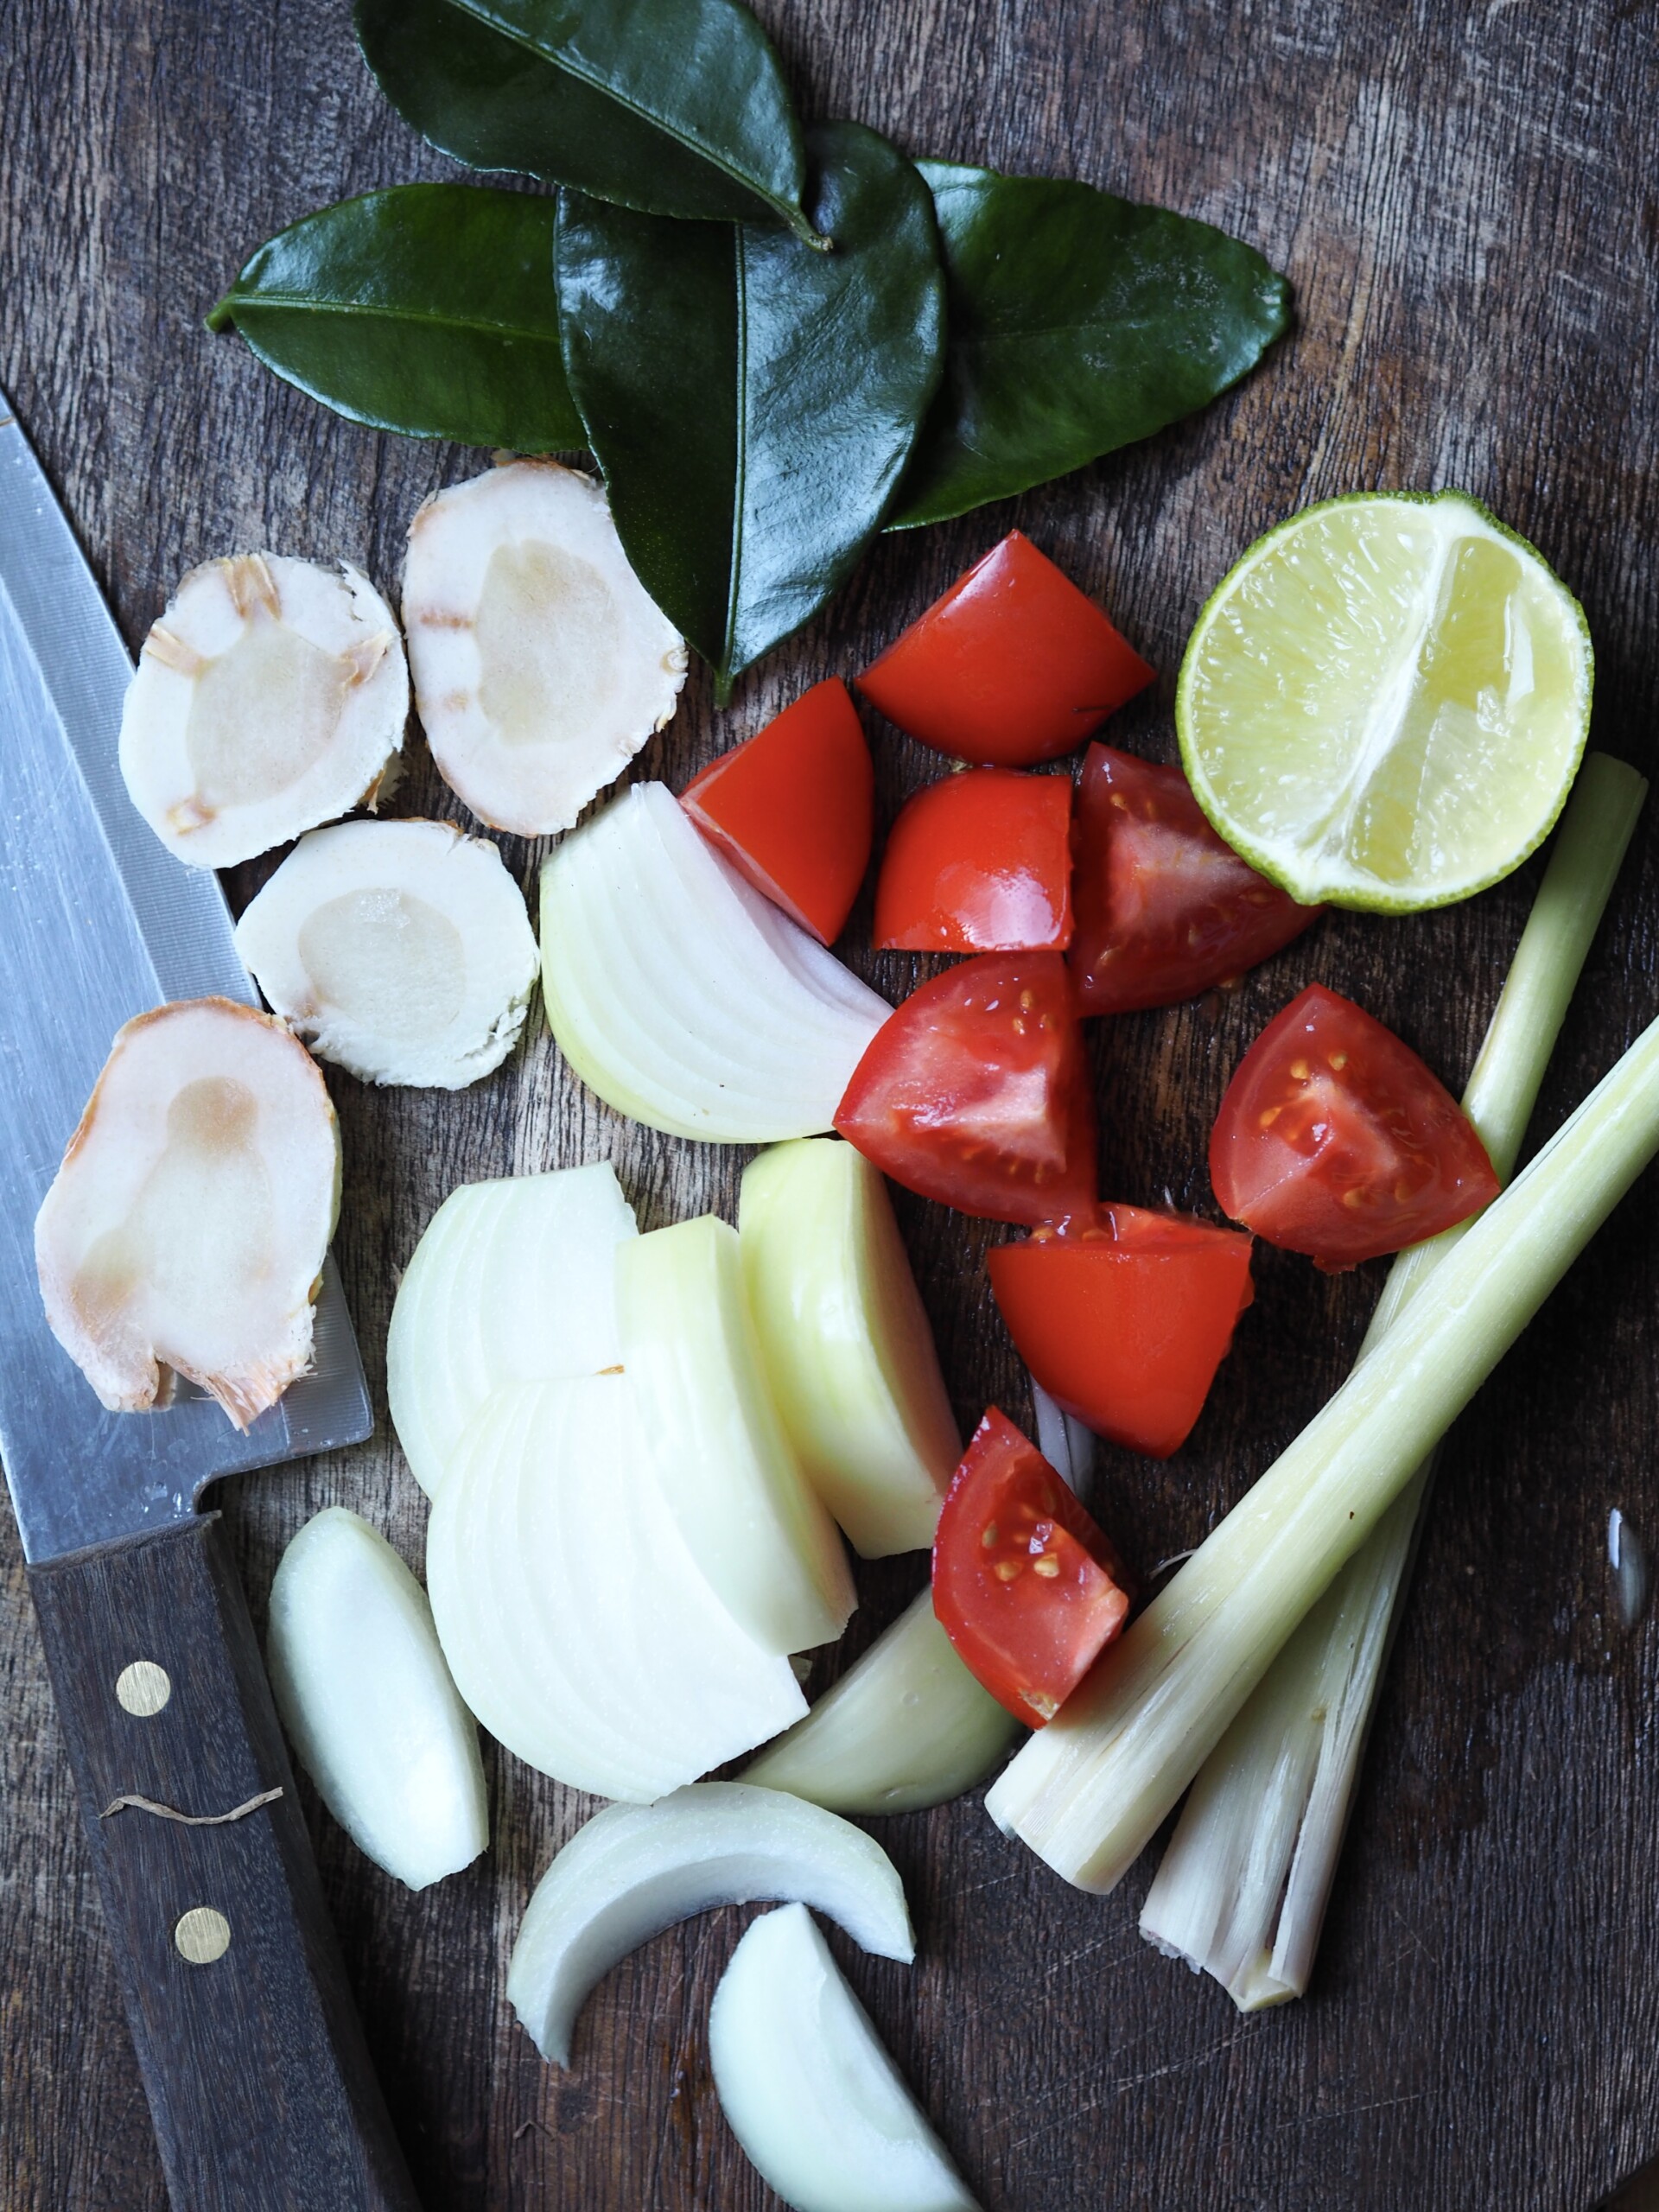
(202, 1935)
(143, 1688)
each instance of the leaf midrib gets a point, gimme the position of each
(631, 106)
(300, 303)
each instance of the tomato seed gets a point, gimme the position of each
(1008, 1569)
(1047, 1567)
(988, 1535)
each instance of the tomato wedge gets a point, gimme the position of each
(976, 1091)
(1164, 908)
(1026, 1586)
(1334, 1140)
(980, 862)
(1125, 1321)
(1013, 665)
(793, 808)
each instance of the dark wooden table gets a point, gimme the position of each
(1467, 198)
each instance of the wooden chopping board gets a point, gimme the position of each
(1465, 198)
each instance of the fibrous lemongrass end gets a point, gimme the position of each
(268, 698)
(186, 1230)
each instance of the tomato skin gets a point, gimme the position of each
(793, 808)
(1165, 909)
(976, 1091)
(1333, 1139)
(1125, 1321)
(979, 862)
(1027, 1587)
(1012, 667)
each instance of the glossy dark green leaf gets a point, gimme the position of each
(675, 106)
(1078, 323)
(752, 404)
(428, 309)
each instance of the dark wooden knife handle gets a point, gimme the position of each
(258, 2078)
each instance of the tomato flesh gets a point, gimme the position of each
(1164, 908)
(976, 1091)
(1333, 1139)
(793, 808)
(1124, 1320)
(981, 862)
(1013, 665)
(1027, 1587)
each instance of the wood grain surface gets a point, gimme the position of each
(1464, 197)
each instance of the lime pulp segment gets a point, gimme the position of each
(1385, 702)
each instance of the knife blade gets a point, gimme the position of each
(256, 2068)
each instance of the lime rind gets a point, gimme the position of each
(1351, 741)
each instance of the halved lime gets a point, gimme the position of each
(1385, 702)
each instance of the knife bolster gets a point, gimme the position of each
(253, 2058)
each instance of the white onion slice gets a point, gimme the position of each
(573, 1618)
(680, 996)
(632, 1871)
(809, 2088)
(368, 1704)
(512, 1281)
(846, 1343)
(725, 1466)
(905, 1728)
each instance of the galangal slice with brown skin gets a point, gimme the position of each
(402, 950)
(186, 1230)
(271, 696)
(541, 664)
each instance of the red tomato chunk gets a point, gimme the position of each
(981, 862)
(793, 809)
(1164, 908)
(1013, 665)
(1124, 1322)
(976, 1091)
(1335, 1140)
(1026, 1586)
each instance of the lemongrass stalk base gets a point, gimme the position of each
(1089, 1791)
(1243, 1886)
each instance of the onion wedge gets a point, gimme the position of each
(399, 950)
(512, 1281)
(186, 1231)
(906, 1726)
(575, 1621)
(632, 1871)
(809, 2088)
(846, 1344)
(368, 1704)
(725, 1466)
(680, 996)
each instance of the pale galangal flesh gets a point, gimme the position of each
(186, 1230)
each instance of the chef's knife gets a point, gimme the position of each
(258, 2075)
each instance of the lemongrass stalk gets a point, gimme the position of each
(1064, 1441)
(1243, 1886)
(1089, 1791)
